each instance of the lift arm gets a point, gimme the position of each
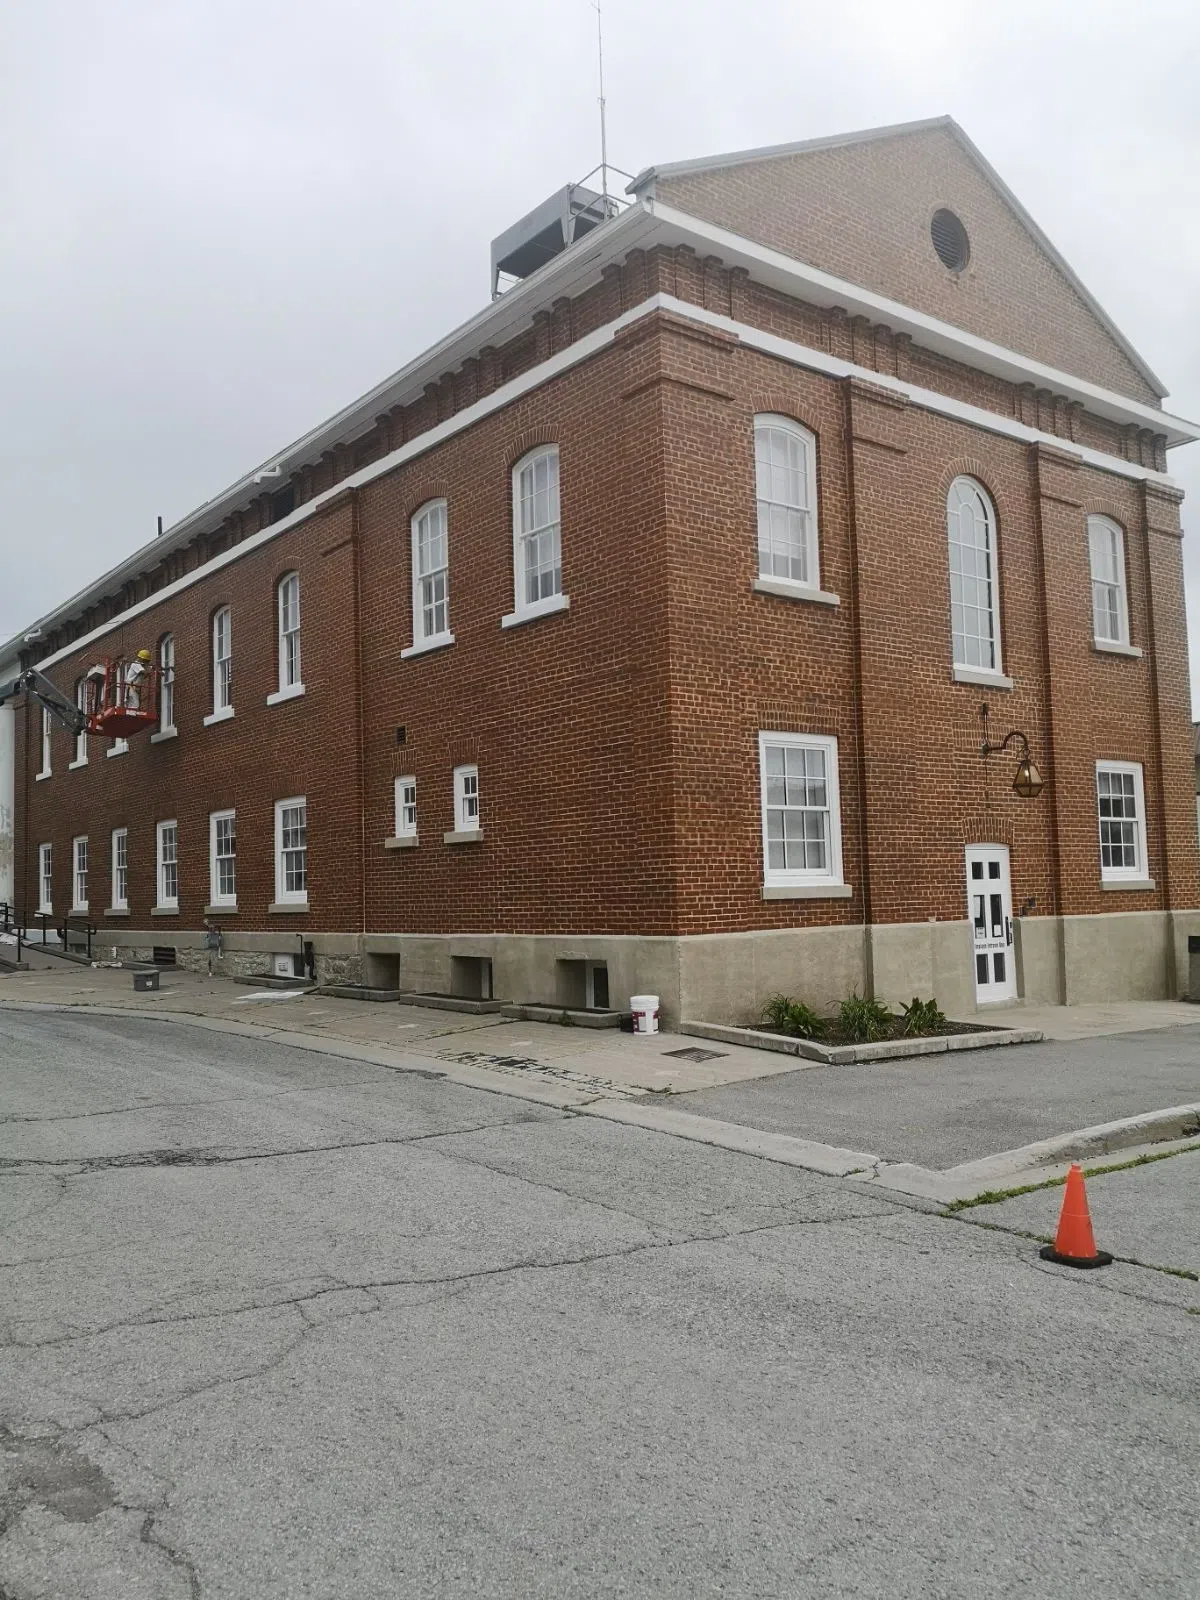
(33, 682)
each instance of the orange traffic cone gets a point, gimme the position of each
(1074, 1244)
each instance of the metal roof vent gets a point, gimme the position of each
(950, 240)
(551, 228)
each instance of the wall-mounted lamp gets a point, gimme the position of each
(1027, 780)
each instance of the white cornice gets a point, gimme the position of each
(582, 350)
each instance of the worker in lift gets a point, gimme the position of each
(135, 677)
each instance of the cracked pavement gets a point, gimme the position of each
(280, 1324)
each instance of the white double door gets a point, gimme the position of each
(989, 899)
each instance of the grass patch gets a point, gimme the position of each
(992, 1197)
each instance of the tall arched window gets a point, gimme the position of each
(288, 609)
(974, 588)
(81, 738)
(537, 536)
(1110, 604)
(166, 683)
(222, 662)
(785, 467)
(431, 575)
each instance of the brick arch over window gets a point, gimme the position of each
(427, 489)
(1105, 506)
(528, 439)
(781, 404)
(971, 467)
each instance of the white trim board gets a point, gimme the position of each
(582, 350)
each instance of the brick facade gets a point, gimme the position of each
(616, 740)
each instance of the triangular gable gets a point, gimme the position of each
(860, 206)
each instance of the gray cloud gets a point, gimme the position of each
(223, 221)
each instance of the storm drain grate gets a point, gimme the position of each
(694, 1053)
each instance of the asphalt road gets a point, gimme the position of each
(276, 1324)
(945, 1109)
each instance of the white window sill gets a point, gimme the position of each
(226, 910)
(542, 608)
(163, 735)
(789, 590)
(1128, 883)
(40, 777)
(981, 676)
(1114, 647)
(218, 716)
(165, 911)
(116, 911)
(279, 908)
(424, 646)
(72, 765)
(401, 841)
(119, 750)
(807, 891)
(292, 692)
(463, 836)
(79, 911)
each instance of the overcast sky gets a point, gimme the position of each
(224, 219)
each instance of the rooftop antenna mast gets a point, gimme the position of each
(603, 126)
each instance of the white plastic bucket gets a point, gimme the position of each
(645, 1012)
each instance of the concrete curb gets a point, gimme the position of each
(829, 1159)
(855, 1054)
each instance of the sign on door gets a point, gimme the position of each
(989, 900)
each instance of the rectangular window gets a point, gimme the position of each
(222, 858)
(1106, 555)
(406, 808)
(120, 869)
(289, 632)
(431, 573)
(291, 851)
(166, 683)
(168, 865)
(537, 530)
(801, 823)
(1121, 803)
(222, 661)
(46, 878)
(46, 726)
(466, 799)
(79, 891)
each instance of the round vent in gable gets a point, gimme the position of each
(950, 240)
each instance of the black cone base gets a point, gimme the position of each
(1100, 1259)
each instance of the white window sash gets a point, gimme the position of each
(46, 746)
(291, 851)
(786, 499)
(167, 864)
(222, 862)
(406, 807)
(289, 631)
(431, 575)
(46, 879)
(81, 738)
(1139, 871)
(800, 877)
(537, 531)
(466, 799)
(166, 683)
(968, 583)
(79, 874)
(120, 869)
(222, 660)
(1106, 562)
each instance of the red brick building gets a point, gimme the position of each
(636, 636)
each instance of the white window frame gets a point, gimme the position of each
(222, 665)
(466, 799)
(424, 523)
(1100, 526)
(216, 895)
(163, 900)
(766, 424)
(166, 684)
(524, 609)
(406, 807)
(81, 738)
(973, 671)
(801, 878)
(47, 730)
(283, 895)
(118, 856)
(46, 879)
(1139, 873)
(79, 872)
(287, 632)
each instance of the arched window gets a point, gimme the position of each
(537, 535)
(81, 738)
(1110, 604)
(288, 609)
(222, 660)
(431, 575)
(166, 683)
(974, 589)
(785, 465)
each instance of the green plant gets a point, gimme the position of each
(793, 1017)
(863, 1020)
(923, 1016)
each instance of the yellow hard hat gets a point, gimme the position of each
(143, 655)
